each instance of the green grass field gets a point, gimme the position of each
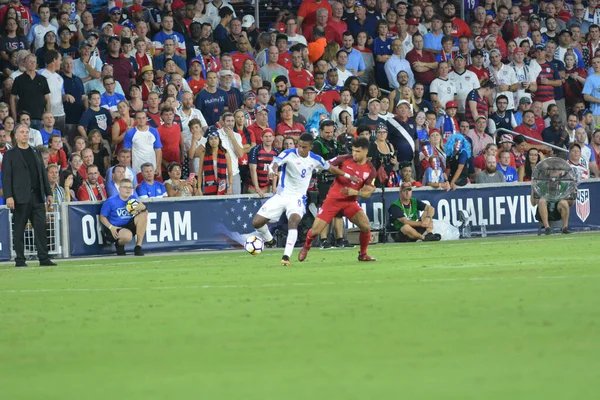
(496, 318)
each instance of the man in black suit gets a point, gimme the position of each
(26, 190)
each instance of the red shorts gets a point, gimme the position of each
(331, 208)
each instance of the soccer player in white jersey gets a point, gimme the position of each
(297, 166)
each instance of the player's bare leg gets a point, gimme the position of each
(312, 234)
(260, 224)
(361, 220)
(292, 237)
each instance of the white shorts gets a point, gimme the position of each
(277, 204)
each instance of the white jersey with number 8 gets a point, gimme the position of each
(296, 171)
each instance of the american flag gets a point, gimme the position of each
(236, 220)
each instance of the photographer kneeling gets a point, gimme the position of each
(404, 215)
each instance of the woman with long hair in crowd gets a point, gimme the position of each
(382, 153)
(215, 163)
(9, 126)
(248, 142)
(49, 44)
(121, 125)
(13, 38)
(66, 182)
(372, 92)
(177, 187)
(367, 55)
(329, 54)
(353, 84)
(422, 127)
(101, 156)
(533, 157)
(75, 162)
(407, 94)
(246, 75)
(200, 12)
(78, 145)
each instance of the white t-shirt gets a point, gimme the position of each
(296, 172)
(35, 138)
(37, 33)
(444, 89)
(505, 76)
(227, 145)
(343, 75)
(185, 129)
(523, 74)
(337, 110)
(57, 88)
(142, 145)
(463, 83)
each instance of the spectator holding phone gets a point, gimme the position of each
(177, 187)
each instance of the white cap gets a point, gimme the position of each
(403, 102)
(247, 21)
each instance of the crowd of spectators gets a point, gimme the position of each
(193, 99)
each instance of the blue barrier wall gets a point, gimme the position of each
(214, 223)
(5, 242)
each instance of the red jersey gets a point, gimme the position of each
(256, 131)
(482, 73)
(426, 56)
(294, 131)
(335, 30)
(238, 61)
(328, 98)
(170, 137)
(300, 79)
(285, 60)
(196, 85)
(529, 132)
(366, 173)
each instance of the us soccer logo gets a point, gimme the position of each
(583, 204)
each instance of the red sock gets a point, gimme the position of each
(365, 238)
(309, 239)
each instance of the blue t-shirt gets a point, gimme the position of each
(46, 135)
(510, 174)
(592, 88)
(211, 105)
(115, 210)
(432, 42)
(101, 120)
(144, 190)
(220, 33)
(280, 98)
(110, 102)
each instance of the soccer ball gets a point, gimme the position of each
(132, 205)
(254, 245)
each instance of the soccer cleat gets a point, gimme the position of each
(326, 245)
(48, 263)
(285, 260)
(365, 257)
(303, 253)
(566, 231)
(548, 231)
(432, 237)
(120, 249)
(19, 264)
(137, 251)
(272, 243)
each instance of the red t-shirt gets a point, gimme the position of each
(428, 57)
(482, 73)
(308, 11)
(83, 195)
(366, 172)
(196, 85)
(170, 137)
(238, 61)
(285, 60)
(257, 131)
(335, 30)
(300, 79)
(294, 131)
(60, 159)
(523, 130)
(328, 98)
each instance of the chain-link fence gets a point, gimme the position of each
(53, 233)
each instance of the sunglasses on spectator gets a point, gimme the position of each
(116, 13)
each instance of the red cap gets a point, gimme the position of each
(412, 21)
(177, 4)
(136, 8)
(519, 50)
(268, 130)
(451, 104)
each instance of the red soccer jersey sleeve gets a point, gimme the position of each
(366, 172)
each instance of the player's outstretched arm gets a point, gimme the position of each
(337, 171)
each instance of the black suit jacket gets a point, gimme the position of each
(16, 178)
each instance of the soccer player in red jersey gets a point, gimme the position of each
(343, 197)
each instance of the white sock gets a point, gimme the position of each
(265, 233)
(292, 236)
